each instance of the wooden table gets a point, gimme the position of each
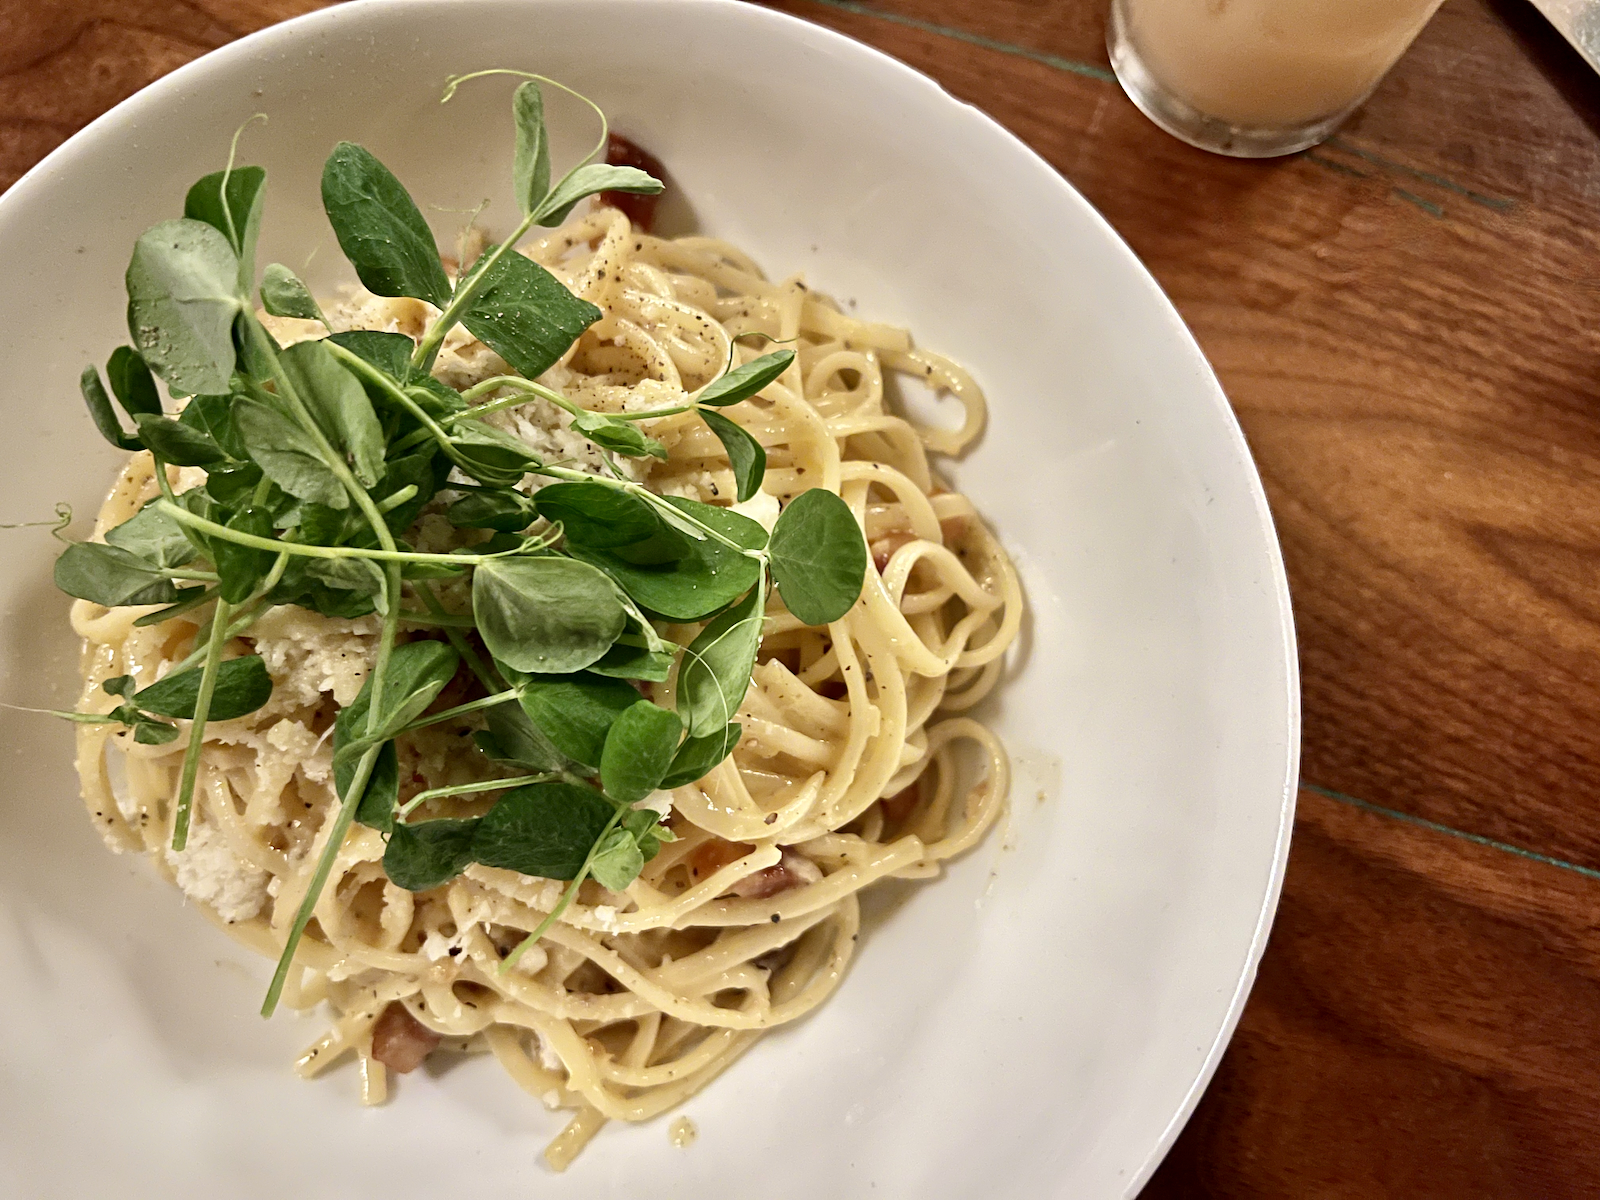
(1404, 319)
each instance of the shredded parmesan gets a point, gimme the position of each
(208, 871)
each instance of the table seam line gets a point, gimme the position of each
(1070, 65)
(1476, 839)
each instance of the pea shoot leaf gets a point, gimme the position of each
(132, 383)
(233, 485)
(102, 414)
(707, 577)
(648, 833)
(417, 672)
(177, 443)
(512, 737)
(639, 630)
(154, 537)
(339, 405)
(288, 454)
(284, 295)
(257, 358)
(819, 558)
(317, 524)
(417, 470)
(199, 502)
(698, 755)
(382, 794)
(188, 598)
(575, 712)
(745, 454)
(716, 667)
(146, 730)
(490, 455)
(110, 576)
(183, 296)
(430, 570)
(359, 575)
(739, 529)
(525, 314)
(638, 750)
(545, 614)
(589, 179)
(597, 515)
(380, 229)
(743, 382)
(506, 511)
(620, 437)
(391, 354)
(429, 854)
(543, 829)
(154, 733)
(242, 567)
(242, 686)
(666, 545)
(634, 662)
(233, 211)
(530, 168)
(617, 860)
(435, 398)
(213, 416)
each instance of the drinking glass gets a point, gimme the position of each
(1255, 78)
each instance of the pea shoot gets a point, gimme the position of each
(318, 458)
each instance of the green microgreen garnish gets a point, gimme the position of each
(318, 458)
(238, 687)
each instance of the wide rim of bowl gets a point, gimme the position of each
(354, 12)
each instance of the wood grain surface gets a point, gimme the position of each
(1404, 319)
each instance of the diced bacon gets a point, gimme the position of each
(883, 549)
(641, 210)
(711, 855)
(764, 883)
(411, 785)
(953, 529)
(400, 1041)
(790, 871)
(897, 808)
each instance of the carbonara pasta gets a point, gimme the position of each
(856, 762)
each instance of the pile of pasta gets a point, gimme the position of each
(857, 761)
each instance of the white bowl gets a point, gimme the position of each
(1037, 1023)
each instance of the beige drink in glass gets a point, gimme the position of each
(1257, 77)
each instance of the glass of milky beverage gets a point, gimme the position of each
(1254, 78)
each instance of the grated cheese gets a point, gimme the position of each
(209, 872)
